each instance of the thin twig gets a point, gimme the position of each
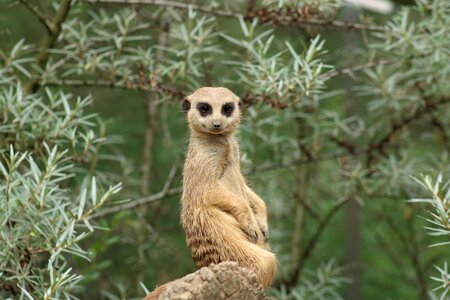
(416, 262)
(295, 162)
(98, 83)
(290, 282)
(165, 192)
(442, 130)
(48, 42)
(150, 88)
(275, 17)
(409, 245)
(350, 70)
(384, 142)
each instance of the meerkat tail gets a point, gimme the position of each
(154, 295)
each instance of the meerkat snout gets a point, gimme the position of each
(212, 110)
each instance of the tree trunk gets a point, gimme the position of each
(353, 209)
(222, 281)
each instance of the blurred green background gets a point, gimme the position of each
(332, 154)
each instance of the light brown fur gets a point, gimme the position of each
(224, 220)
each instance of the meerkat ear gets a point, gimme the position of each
(240, 103)
(186, 105)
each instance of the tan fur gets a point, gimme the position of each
(224, 220)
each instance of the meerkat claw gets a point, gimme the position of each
(254, 236)
(266, 235)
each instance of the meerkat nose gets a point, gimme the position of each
(216, 125)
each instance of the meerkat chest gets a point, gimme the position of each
(232, 180)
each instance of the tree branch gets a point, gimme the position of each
(41, 17)
(226, 280)
(154, 86)
(275, 17)
(151, 105)
(167, 191)
(416, 256)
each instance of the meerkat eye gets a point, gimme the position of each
(227, 109)
(204, 109)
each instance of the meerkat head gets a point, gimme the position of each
(212, 110)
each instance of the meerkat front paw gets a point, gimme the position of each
(251, 230)
(262, 223)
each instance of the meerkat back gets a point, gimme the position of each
(223, 219)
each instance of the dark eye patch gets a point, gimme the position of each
(227, 109)
(204, 109)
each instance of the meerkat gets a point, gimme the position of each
(223, 219)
